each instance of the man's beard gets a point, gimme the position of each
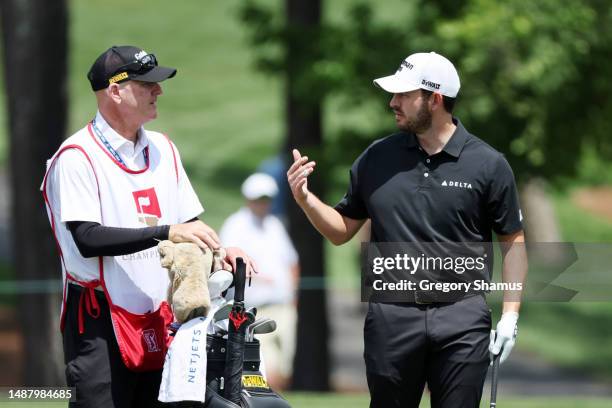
(420, 124)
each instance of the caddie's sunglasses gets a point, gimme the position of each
(140, 66)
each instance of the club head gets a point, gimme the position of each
(221, 325)
(218, 282)
(216, 303)
(220, 332)
(223, 312)
(251, 328)
(250, 316)
(266, 327)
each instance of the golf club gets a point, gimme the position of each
(252, 310)
(252, 327)
(494, 379)
(250, 318)
(221, 327)
(266, 327)
(239, 320)
(223, 312)
(218, 282)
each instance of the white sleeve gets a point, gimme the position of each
(75, 189)
(188, 202)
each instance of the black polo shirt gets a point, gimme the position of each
(460, 194)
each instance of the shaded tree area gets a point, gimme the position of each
(35, 47)
(303, 124)
(303, 112)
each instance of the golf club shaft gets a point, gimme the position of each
(494, 379)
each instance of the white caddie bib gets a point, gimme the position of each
(128, 199)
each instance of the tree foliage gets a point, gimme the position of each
(535, 75)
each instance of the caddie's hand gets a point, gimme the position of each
(231, 253)
(297, 176)
(503, 338)
(197, 232)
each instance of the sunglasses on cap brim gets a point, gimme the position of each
(140, 66)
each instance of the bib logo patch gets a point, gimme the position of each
(147, 207)
(150, 340)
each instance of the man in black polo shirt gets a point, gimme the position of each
(431, 182)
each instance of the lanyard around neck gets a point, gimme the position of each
(110, 149)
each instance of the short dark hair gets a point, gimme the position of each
(449, 103)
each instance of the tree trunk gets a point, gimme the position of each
(540, 221)
(311, 363)
(35, 61)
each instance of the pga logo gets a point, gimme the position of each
(150, 340)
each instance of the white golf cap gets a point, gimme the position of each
(423, 70)
(259, 185)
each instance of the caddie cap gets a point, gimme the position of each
(123, 63)
(259, 185)
(423, 70)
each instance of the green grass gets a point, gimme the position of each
(331, 400)
(309, 400)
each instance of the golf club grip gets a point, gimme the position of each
(239, 280)
(494, 379)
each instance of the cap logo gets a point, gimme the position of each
(140, 54)
(118, 77)
(405, 64)
(430, 84)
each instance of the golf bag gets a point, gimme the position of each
(233, 378)
(255, 391)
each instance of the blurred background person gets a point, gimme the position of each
(273, 288)
(276, 167)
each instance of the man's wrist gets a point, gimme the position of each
(305, 203)
(513, 307)
(172, 231)
(163, 233)
(510, 315)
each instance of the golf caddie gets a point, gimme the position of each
(112, 190)
(431, 182)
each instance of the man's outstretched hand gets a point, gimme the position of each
(297, 176)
